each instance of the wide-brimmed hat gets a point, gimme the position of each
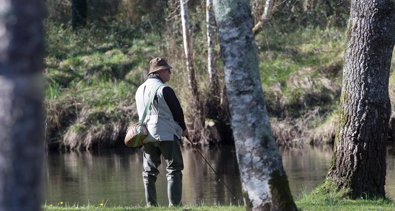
(157, 64)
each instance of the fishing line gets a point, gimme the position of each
(208, 163)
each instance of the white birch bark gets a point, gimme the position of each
(195, 103)
(210, 40)
(213, 103)
(264, 182)
(185, 32)
(265, 17)
(21, 112)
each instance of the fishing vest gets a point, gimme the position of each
(159, 119)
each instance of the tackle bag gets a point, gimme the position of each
(137, 132)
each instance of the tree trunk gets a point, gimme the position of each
(79, 10)
(210, 21)
(264, 181)
(218, 124)
(264, 18)
(21, 119)
(214, 96)
(195, 104)
(359, 159)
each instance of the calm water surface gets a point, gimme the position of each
(114, 177)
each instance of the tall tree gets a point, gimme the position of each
(21, 119)
(195, 103)
(213, 101)
(359, 159)
(79, 11)
(264, 181)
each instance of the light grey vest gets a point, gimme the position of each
(159, 119)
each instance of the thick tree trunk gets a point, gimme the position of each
(195, 104)
(21, 119)
(359, 159)
(264, 182)
(79, 11)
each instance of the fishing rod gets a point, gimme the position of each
(208, 163)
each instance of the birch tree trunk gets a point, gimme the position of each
(264, 18)
(213, 106)
(210, 21)
(264, 181)
(359, 159)
(195, 106)
(21, 119)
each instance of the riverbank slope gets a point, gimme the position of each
(92, 75)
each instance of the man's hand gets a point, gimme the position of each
(185, 133)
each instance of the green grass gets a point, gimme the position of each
(345, 205)
(305, 204)
(300, 69)
(184, 208)
(323, 198)
(317, 201)
(282, 54)
(326, 197)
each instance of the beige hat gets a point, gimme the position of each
(157, 64)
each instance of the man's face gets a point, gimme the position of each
(165, 75)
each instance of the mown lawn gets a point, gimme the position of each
(303, 204)
(185, 208)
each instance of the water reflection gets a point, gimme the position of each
(114, 177)
(81, 178)
(306, 167)
(390, 178)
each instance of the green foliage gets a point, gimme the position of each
(78, 128)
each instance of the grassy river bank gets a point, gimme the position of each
(92, 76)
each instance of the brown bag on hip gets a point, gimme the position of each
(135, 135)
(137, 132)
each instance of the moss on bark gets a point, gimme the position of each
(281, 193)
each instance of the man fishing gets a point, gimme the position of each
(166, 126)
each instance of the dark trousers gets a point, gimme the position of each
(171, 152)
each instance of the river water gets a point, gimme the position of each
(113, 177)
